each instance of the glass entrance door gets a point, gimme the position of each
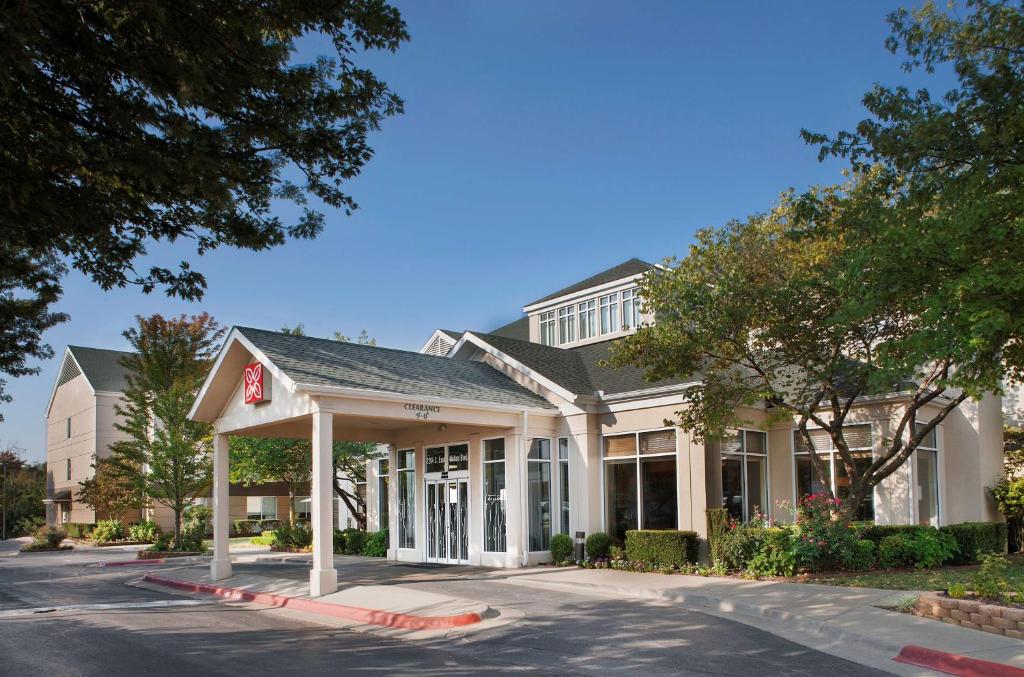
(447, 521)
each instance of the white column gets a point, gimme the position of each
(514, 511)
(220, 567)
(323, 579)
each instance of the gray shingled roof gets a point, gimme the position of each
(517, 329)
(578, 370)
(625, 269)
(327, 362)
(102, 368)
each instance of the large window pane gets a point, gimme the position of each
(660, 508)
(732, 486)
(862, 461)
(757, 485)
(620, 445)
(539, 490)
(563, 483)
(494, 495)
(383, 500)
(927, 488)
(658, 442)
(620, 497)
(435, 459)
(807, 480)
(406, 505)
(458, 457)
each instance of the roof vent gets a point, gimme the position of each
(69, 372)
(440, 346)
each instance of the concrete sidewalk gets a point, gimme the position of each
(849, 616)
(381, 609)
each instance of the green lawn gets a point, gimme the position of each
(927, 579)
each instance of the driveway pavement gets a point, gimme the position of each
(142, 630)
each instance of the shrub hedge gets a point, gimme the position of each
(718, 524)
(375, 544)
(79, 529)
(661, 548)
(973, 539)
(561, 548)
(598, 545)
(109, 530)
(877, 532)
(354, 540)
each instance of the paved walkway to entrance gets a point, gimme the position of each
(850, 616)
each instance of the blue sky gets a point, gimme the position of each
(542, 142)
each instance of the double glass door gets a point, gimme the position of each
(447, 521)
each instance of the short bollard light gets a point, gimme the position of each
(580, 539)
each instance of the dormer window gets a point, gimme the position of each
(609, 306)
(630, 309)
(566, 325)
(547, 328)
(588, 319)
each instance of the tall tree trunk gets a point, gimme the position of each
(177, 528)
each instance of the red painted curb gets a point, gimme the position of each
(369, 616)
(955, 664)
(134, 562)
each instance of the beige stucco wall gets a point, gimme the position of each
(73, 400)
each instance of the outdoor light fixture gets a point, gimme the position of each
(580, 537)
(443, 427)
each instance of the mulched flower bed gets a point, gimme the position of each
(156, 554)
(30, 548)
(279, 548)
(107, 544)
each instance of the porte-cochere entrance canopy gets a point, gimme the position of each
(436, 414)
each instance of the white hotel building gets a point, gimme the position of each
(494, 441)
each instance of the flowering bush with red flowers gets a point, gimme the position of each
(824, 540)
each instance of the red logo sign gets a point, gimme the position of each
(253, 383)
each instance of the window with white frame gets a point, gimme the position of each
(261, 507)
(538, 480)
(563, 483)
(566, 325)
(640, 482)
(745, 474)
(406, 498)
(547, 328)
(588, 319)
(494, 495)
(630, 309)
(808, 481)
(609, 307)
(926, 473)
(383, 499)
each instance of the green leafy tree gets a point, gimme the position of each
(1008, 494)
(750, 314)
(258, 460)
(949, 247)
(167, 455)
(363, 339)
(111, 491)
(349, 461)
(23, 495)
(127, 123)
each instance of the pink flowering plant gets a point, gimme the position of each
(824, 540)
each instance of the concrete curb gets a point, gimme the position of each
(368, 616)
(954, 664)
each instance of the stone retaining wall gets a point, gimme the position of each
(998, 620)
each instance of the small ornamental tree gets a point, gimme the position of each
(167, 455)
(112, 490)
(753, 315)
